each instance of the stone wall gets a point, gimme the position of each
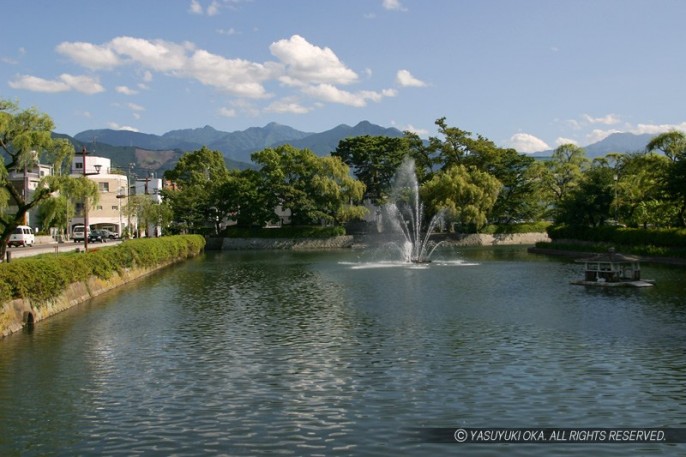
(498, 239)
(287, 243)
(15, 314)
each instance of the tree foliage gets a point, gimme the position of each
(26, 140)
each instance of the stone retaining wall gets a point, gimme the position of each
(287, 243)
(19, 312)
(498, 239)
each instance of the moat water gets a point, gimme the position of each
(327, 353)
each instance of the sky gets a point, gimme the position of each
(527, 74)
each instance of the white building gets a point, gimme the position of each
(26, 182)
(109, 212)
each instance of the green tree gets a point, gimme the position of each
(374, 161)
(673, 144)
(26, 139)
(589, 202)
(564, 173)
(641, 196)
(466, 194)
(315, 189)
(198, 177)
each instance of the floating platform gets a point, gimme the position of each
(637, 283)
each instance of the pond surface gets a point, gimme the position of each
(330, 353)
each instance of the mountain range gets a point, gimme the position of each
(157, 153)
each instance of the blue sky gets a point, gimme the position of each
(529, 74)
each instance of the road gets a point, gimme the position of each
(18, 252)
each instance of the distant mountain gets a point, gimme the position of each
(235, 146)
(616, 142)
(326, 142)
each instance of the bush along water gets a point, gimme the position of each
(43, 277)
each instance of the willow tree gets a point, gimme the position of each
(466, 194)
(26, 140)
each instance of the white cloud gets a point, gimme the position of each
(125, 90)
(65, 83)
(90, 55)
(227, 112)
(196, 7)
(115, 126)
(609, 119)
(405, 79)
(135, 107)
(309, 64)
(599, 135)
(287, 105)
(393, 5)
(561, 140)
(330, 93)
(527, 143)
(657, 128)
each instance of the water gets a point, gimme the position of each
(405, 214)
(286, 353)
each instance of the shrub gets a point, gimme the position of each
(45, 276)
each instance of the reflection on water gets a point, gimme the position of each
(279, 353)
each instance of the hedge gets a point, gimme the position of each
(42, 277)
(668, 238)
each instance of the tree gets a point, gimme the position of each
(564, 172)
(315, 189)
(466, 194)
(26, 139)
(673, 144)
(641, 196)
(197, 177)
(374, 161)
(589, 202)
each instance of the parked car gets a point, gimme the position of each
(109, 234)
(97, 235)
(22, 236)
(77, 234)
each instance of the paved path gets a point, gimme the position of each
(52, 248)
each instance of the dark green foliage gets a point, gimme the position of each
(672, 238)
(45, 276)
(287, 231)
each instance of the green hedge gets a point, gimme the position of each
(525, 227)
(287, 231)
(45, 276)
(668, 238)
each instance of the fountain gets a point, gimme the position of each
(406, 212)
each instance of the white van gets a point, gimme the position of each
(22, 236)
(77, 234)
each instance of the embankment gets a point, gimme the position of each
(35, 288)
(335, 242)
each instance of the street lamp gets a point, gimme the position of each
(86, 227)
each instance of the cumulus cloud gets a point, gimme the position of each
(65, 83)
(195, 7)
(306, 63)
(125, 90)
(330, 93)
(287, 105)
(90, 55)
(393, 5)
(227, 112)
(308, 69)
(405, 79)
(527, 143)
(115, 126)
(609, 119)
(561, 140)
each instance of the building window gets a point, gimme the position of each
(104, 186)
(99, 207)
(115, 207)
(78, 165)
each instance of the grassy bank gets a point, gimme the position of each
(43, 277)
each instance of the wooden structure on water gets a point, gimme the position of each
(612, 270)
